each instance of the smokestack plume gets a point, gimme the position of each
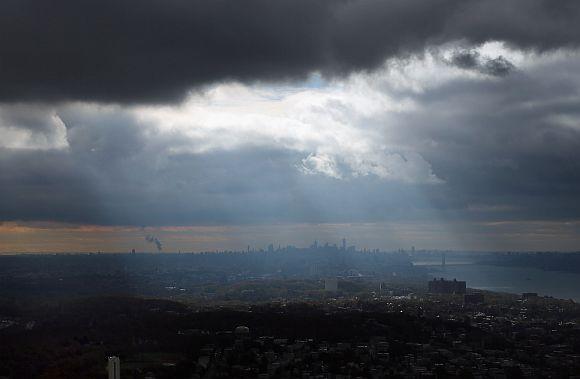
(152, 239)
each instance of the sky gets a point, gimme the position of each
(203, 125)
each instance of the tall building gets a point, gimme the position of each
(344, 244)
(114, 368)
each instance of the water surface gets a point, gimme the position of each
(511, 279)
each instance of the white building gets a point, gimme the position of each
(114, 368)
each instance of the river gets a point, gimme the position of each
(509, 279)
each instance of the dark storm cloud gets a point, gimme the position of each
(506, 149)
(112, 175)
(472, 60)
(503, 151)
(499, 66)
(45, 186)
(25, 117)
(468, 59)
(155, 50)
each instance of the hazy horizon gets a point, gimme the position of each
(47, 238)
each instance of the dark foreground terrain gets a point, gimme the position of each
(321, 312)
(426, 336)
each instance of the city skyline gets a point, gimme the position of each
(46, 238)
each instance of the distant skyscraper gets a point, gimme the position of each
(114, 368)
(443, 259)
(344, 244)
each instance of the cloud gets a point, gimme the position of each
(34, 127)
(322, 124)
(472, 60)
(39, 184)
(320, 164)
(418, 139)
(498, 66)
(150, 51)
